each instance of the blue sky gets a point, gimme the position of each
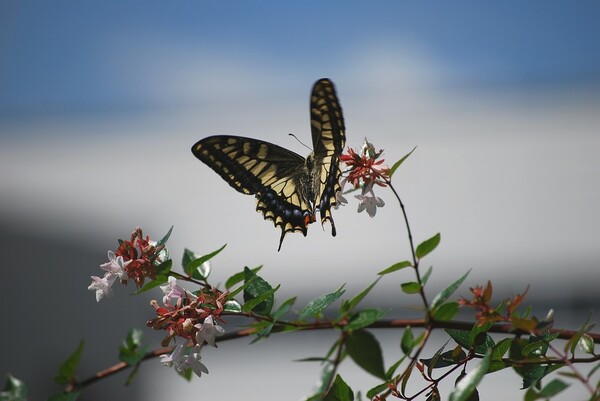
(65, 57)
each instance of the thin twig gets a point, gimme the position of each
(576, 371)
(412, 246)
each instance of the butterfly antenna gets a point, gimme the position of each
(302, 143)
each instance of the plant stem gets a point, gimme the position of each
(576, 371)
(412, 246)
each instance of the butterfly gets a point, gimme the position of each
(289, 188)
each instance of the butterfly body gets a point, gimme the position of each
(289, 188)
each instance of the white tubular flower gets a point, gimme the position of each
(208, 331)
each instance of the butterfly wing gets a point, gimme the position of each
(329, 138)
(274, 174)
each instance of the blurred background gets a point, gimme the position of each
(100, 104)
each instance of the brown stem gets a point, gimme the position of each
(121, 366)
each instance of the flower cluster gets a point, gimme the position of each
(188, 316)
(504, 313)
(191, 317)
(365, 170)
(135, 259)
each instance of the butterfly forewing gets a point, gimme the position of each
(329, 138)
(247, 164)
(326, 120)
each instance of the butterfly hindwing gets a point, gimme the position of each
(288, 187)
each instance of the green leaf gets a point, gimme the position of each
(164, 239)
(131, 351)
(364, 318)
(411, 287)
(188, 256)
(538, 348)
(446, 312)
(443, 295)
(500, 349)
(317, 305)
(284, 308)
(239, 277)
(480, 339)
(263, 329)
(66, 371)
(392, 369)
(552, 388)
(572, 343)
(434, 359)
(497, 365)
(14, 389)
(334, 347)
(199, 272)
(132, 374)
(186, 374)
(325, 380)
(358, 298)
(239, 289)
(488, 342)
(406, 376)
(477, 329)
(339, 391)
(312, 359)
(193, 268)
(468, 384)
(263, 302)
(408, 341)
(232, 306)
(164, 268)
(445, 359)
(531, 395)
(257, 287)
(425, 276)
(399, 162)
(364, 349)
(395, 267)
(477, 339)
(427, 246)
(586, 344)
(549, 337)
(531, 374)
(376, 390)
(462, 337)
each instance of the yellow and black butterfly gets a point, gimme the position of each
(288, 188)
